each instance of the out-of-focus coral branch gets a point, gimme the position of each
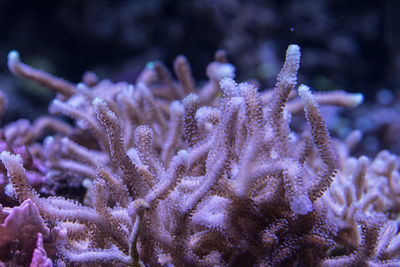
(58, 85)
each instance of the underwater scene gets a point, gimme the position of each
(199, 133)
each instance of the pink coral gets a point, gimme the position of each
(40, 258)
(19, 232)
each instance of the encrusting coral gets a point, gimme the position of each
(213, 176)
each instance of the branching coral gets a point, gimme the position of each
(195, 177)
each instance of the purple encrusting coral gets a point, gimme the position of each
(184, 176)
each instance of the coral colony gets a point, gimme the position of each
(177, 175)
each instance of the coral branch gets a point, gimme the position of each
(58, 85)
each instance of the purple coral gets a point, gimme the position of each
(176, 177)
(21, 232)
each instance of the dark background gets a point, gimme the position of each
(348, 44)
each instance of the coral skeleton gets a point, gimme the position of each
(177, 175)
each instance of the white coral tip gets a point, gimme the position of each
(306, 95)
(293, 49)
(228, 85)
(82, 87)
(293, 54)
(13, 60)
(226, 70)
(6, 157)
(97, 102)
(357, 99)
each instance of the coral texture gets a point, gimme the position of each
(214, 176)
